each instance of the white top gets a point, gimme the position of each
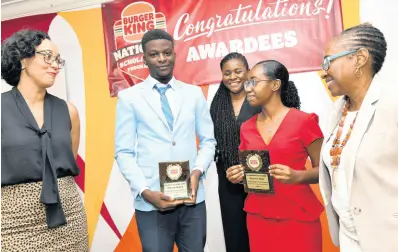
(340, 199)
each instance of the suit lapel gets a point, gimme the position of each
(324, 175)
(153, 101)
(364, 117)
(334, 118)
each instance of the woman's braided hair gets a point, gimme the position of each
(226, 127)
(369, 37)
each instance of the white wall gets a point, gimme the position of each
(23, 8)
(383, 15)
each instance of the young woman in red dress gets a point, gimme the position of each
(288, 220)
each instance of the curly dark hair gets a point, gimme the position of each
(288, 91)
(155, 34)
(21, 45)
(226, 128)
(367, 36)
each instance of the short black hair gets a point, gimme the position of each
(20, 45)
(155, 34)
(367, 36)
(289, 93)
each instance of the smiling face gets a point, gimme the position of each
(44, 66)
(159, 56)
(262, 89)
(341, 73)
(234, 74)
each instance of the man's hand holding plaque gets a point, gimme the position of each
(160, 200)
(175, 179)
(193, 184)
(256, 171)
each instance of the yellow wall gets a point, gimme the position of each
(100, 110)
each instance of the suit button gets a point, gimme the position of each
(173, 143)
(357, 211)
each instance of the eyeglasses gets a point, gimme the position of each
(252, 83)
(50, 59)
(327, 60)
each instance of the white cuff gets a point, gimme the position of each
(199, 168)
(142, 190)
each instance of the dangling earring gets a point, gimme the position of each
(358, 72)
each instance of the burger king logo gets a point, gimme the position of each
(135, 20)
(254, 162)
(138, 18)
(174, 171)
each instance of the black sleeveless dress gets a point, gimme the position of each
(41, 209)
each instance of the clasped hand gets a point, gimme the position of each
(164, 203)
(283, 173)
(235, 174)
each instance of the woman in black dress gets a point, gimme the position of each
(229, 109)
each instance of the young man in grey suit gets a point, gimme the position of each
(158, 120)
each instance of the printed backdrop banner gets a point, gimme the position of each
(293, 32)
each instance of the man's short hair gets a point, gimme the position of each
(155, 34)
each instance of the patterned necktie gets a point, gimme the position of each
(165, 105)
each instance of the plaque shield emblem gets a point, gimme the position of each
(254, 162)
(174, 171)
